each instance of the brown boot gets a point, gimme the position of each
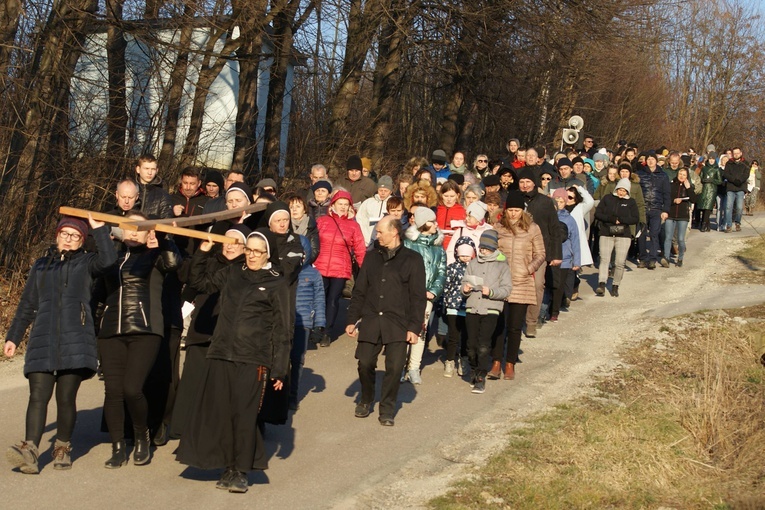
(509, 371)
(496, 370)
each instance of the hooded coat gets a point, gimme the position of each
(711, 178)
(56, 302)
(495, 273)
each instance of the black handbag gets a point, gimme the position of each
(617, 230)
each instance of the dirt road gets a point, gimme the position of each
(326, 458)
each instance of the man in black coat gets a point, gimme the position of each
(545, 215)
(386, 309)
(735, 175)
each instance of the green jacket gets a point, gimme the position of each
(430, 247)
(711, 177)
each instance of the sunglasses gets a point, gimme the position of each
(482, 160)
(546, 178)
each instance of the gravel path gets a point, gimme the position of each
(326, 458)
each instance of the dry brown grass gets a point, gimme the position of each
(679, 425)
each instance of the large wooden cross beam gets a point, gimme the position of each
(175, 226)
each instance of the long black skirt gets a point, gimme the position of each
(194, 370)
(222, 431)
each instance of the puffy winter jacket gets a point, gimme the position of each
(525, 253)
(655, 186)
(432, 252)
(134, 290)
(338, 235)
(571, 249)
(56, 301)
(453, 298)
(462, 230)
(310, 302)
(445, 216)
(369, 213)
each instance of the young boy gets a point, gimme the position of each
(154, 200)
(454, 301)
(486, 284)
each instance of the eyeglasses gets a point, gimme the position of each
(482, 160)
(72, 236)
(252, 251)
(546, 178)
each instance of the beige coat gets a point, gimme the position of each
(525, 253)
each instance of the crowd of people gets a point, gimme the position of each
(471, 255)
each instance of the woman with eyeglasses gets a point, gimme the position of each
(544, 183)
(61, 350)
(249, 349)
(131, 330)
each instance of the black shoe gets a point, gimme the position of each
(362, 410)
(325, 341)
(386, 421)
(480, 385)
(160, 436)
(238, 482)
(641, 265)
(651, 265)
(119, 456)
(679, 263)
(615, 290)
(601, 290)
(225, 480)
(142, 450)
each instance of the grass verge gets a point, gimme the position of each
(679, 425)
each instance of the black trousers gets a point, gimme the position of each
(333, 291)
(456, 343)
(41, 384)
(514, 314)
(481, 330)
(395, 358)
(126, 361)
(161, 385)
(560, 276)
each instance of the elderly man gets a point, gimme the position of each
(318, 173)
(353, 182)
(127, 196)
(386, 310)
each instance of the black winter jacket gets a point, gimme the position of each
(681, 211)
(389, 295)
(56, 301)
(134, 290)
(254, 321)
(544, 214)
(153, 200)
(655, 186)
(612, 208)
(735, 175)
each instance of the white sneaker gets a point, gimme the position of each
(449, 369)
(461, 364)
(414, 377)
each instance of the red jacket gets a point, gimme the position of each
(444, 217)
(334, 261)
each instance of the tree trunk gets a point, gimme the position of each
(10, 11)
(116, 117)
(177, 87)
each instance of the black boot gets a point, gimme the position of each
(601, 290)
(142, 451)
(615, 290)
(119, 456)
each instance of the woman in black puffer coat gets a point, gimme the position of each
(61, 351)
(130, 335)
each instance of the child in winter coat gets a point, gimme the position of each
(486, 284)
(310, 318)
(454, 302)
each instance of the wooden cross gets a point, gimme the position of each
(175, 226)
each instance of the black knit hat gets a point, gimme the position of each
(528, 173)
(458, 178)
(490, 180)
(515, 200)
(216, 177)
(353, 163)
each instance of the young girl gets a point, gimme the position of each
(454, 301)
(486, 284)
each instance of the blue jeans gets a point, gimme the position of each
(670, 226)
(648, 243)
(733, 210)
